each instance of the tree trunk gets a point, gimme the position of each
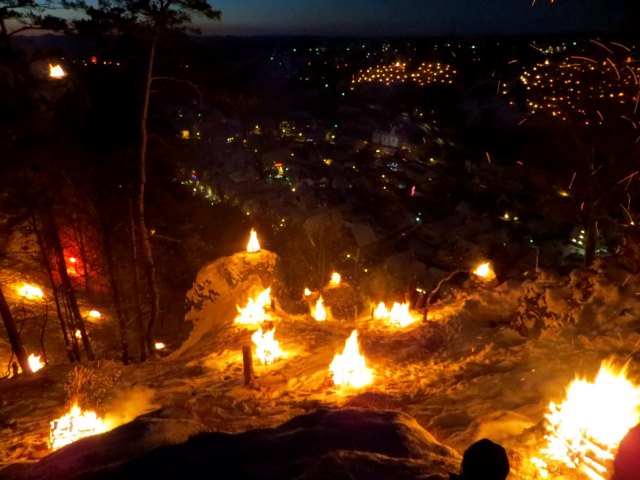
(136, 284)
(591, 237)
(14, 336)
(66, 285)
(70, 345)
(145, 241)
(113, 282)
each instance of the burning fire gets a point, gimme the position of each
(349, 368)
(399, 316)
(74, 425)
(254, 312)
(485, 271)
(30, 292)
(35, 363)
(584, 431)
(267, 348)
(307, 292)
(56, 71)
(320, 314)
(159, 345)
(94, 314)
(335, 279)
(253, 245)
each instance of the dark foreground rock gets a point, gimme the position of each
(326, 444)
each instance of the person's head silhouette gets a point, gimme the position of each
(485, 460)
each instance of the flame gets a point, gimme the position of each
(349, 368)
(335, 279)
(253, 245)
(485, 271)
(78, 334)
(584, 431)
(267, 348)
(30, 292)
(307, 292)
(320, 314)
(254, 312)
(399, 316)
(35, 363)
(381, 312)
(56, 71)
(94, 314)
(74, 425)
(159, 345)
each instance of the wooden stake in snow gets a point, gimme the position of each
(247, 363)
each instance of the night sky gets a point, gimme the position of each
(418, 17)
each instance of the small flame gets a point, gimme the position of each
(307, 292)
(30, 292)
(56, 71)
(349, 368)
(159, 345)
(78, 334)
(400, 315)
(35, 363)
(74, 425)
(381, 312)
(320, 313)
(253, 245)
(485, 271)
(94, 314)
(584, 431)
(336, 278)
(254, 312)
(267, 348)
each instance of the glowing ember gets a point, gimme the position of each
(335, 279)
(349, 368)
(94, 314)
(584, 431)
(30, 292)
(73, 260)
(35, 363)
(320, 313)
(485, 271)
(78, 334)
(159, 345)
(400, 315)
(75, 425)
(254, 312)
(381, 312)
(267, 348)
(56, 71)
(253, 245)
(307, 292)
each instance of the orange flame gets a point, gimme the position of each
(30, 292)
(35, 363)
(399, 316)
(320, 314)
(584, 431)
(349, 368)
(159, 345)
(485, 271)
(254, 312)
(336, 278)
(307, 292)
(253, 245)
(56, 71)
(94, 314)
(267, 348)
(74, 425)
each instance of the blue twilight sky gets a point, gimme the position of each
(417, 17)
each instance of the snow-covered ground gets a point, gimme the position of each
(471, 371)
